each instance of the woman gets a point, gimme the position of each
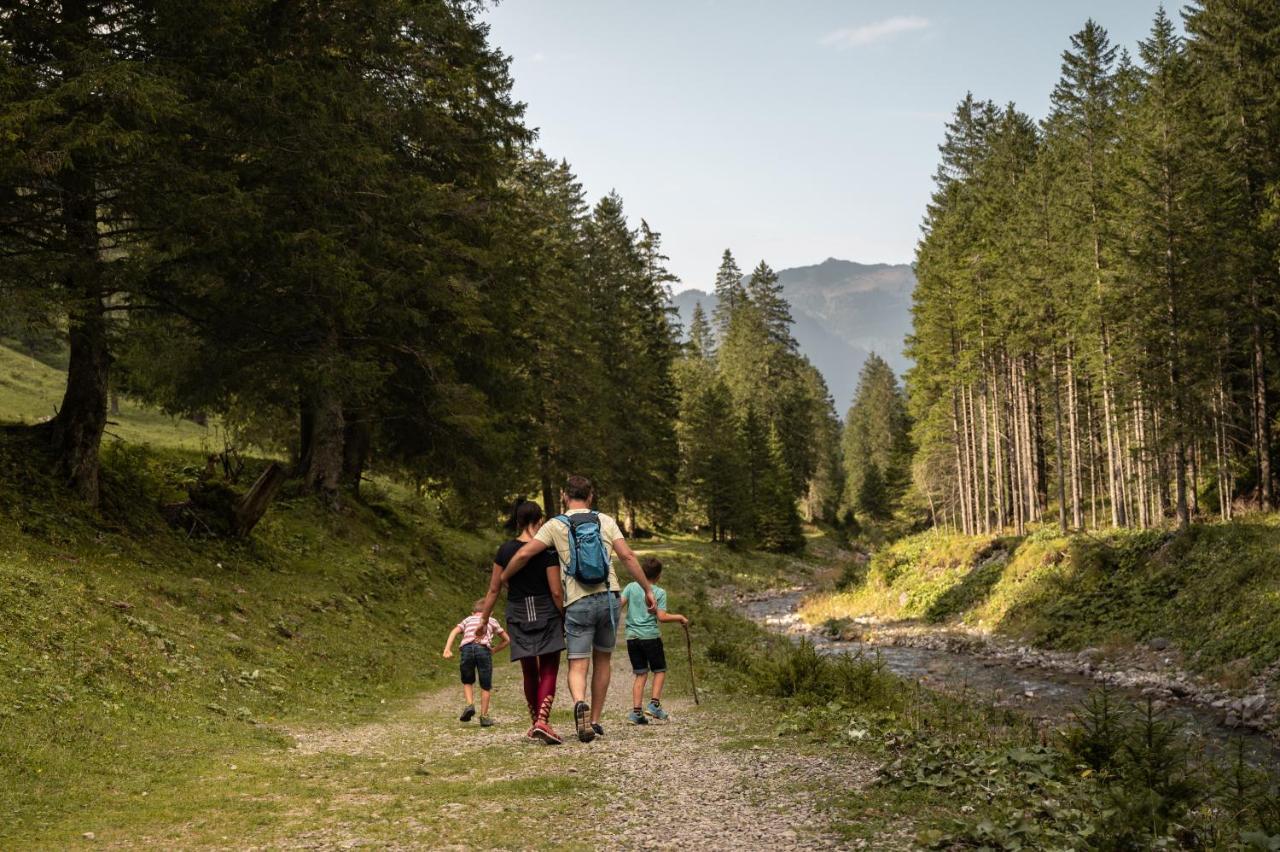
(533, 618)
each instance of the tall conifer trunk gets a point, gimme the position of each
(1057, 445)
(323, 463)
(76, 430)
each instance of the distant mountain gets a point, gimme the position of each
(843, 310)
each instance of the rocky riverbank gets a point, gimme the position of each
(1156, 670)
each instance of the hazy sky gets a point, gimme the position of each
(789, 131)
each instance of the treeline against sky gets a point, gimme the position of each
(1095, 335)
(327, 226)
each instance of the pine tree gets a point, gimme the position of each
(701, 343)
(715, 460)
(90, 163)
(873, 497)
(777, 522)
(730, 294)
(1236, 56)
(876, 432)
(765, 292)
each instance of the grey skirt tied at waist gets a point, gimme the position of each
(531, 611)
(535, 626)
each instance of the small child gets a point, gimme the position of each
(477, 659)
(644, 642)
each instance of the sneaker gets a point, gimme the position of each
(636, 717)
(543, 731)
(486, 722)
(467, 713)
(655, 710)
(598, 728)
(581, 711)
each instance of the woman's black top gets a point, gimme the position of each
(531, 580)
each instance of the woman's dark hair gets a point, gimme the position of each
(523, 513)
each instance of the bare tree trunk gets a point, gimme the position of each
(1093, 455)
(356, 444)
(1057, 445)
(1077, 513)
(961, 469)
(1261, 416)
(986, 468)
(76, 430)
(323, 471)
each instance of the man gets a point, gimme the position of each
(590, 610)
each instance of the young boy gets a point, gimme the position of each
(477, 659)
(644, 642)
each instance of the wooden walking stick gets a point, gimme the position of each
(688, 646)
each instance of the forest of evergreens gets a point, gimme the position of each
(328, 227)
(1095, 321)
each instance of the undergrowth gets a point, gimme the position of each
(977, 776)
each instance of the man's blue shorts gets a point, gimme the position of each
(591, 624)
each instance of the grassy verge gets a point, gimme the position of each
(135, 660)
(1213, 591)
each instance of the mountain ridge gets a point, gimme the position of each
(843, 310)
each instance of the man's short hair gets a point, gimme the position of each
(652, 567)
(578, 488)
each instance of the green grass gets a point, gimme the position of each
(31, 390)
(1213, 590)
(134, 658)
(137, 665)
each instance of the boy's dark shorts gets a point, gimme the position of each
(477, 660)
(647, 656)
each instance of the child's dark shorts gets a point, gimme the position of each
(477, 660)
(647, 656)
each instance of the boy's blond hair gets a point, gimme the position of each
(478, 605)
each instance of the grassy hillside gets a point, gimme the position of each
(136, 663)
(133, 658)
(1214, 591)
(30, 391)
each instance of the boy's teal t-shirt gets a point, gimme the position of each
(642, 624)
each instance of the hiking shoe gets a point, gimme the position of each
(581, 711)
(486, 722)
(636, 717)
(655, 710)
(598, 728)
(467, 713)
(543, 731)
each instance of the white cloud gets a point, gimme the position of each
(539, 57)
(869, 33)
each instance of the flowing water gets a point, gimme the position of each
(1045, 694)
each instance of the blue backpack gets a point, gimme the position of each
(588, 551)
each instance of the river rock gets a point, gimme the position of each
(1253, 706)
(1158, 644)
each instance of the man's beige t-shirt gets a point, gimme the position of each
(556, 534)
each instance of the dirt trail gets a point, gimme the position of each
(710, 778)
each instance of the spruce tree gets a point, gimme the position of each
(765, 292)
(730, 294)
(90, 163)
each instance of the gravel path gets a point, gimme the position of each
(710, 778)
